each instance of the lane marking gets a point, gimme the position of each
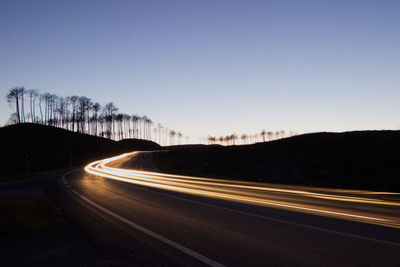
(204, 193)
(166, 194)
(169, 242)
(199, 256)
(269, 218)
(257, 215)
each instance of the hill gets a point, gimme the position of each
(47, 148)
(360, 159)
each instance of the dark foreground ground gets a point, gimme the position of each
(35, 229)
(361, 160)
(43, 224)
(88, 220)
(38, 225)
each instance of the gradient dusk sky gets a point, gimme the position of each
(213, 67)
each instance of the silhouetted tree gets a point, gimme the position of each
(135, 120)
(221, 139)
(148, 123)
(180, 138)
(263, 133)
(96, 109)
(270, 134)
(33, 93)
(81, 114)
(73, 100)
(13, 119)
(277, 133)
(244, 138)
(211, 140)
(110, 109)
(160, 135)
(22, 92)
(13, 99)
(41, 99)
(172, 134)
(233, 138)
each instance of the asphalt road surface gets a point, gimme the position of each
(147, 218)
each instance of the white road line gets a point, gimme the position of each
(227, 196)
(151, 233)
(270, 218)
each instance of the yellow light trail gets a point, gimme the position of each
(247, 192)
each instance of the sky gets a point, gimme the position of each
(213, 67)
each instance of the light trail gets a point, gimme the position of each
(250, 193)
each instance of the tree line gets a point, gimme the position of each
(81, 114)
(246, 139)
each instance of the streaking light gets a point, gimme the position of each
(246, 192)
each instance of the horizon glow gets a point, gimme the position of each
(213, 67)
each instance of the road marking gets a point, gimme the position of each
(171, 243)
(270, 218)
(262, 217)
(245, 199)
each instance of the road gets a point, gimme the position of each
(197, 221)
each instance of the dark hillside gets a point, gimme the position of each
(48, 148)
(362, 159)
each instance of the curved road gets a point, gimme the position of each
(198, 221)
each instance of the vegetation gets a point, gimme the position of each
(80, 114)
(245, 139)
(31, 149)
(361, 160)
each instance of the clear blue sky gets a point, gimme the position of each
(213, 67)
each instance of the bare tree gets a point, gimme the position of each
(13, 99)
(31, 94)
(13, 119)
(211, 140)
(110, 109)
(73, 100)
(180, 138)
(282, 133)
(160, 127)
(244, 138)
(149, 123)
(172, 134)
(135, 129)
(81, 114)
(233, 138)
(41, 99)
(22, 92)
(277, 133)
(221, 139)
(270, 134)
(96, 110)
(263, 133)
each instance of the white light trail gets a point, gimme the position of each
(240, 191)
